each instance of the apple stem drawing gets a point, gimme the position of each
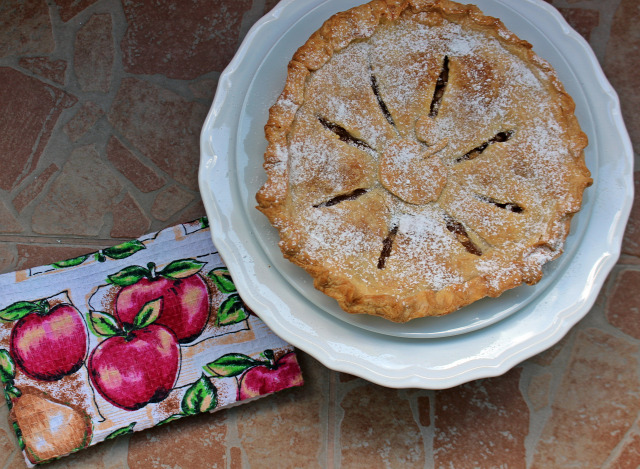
(138, 363)
(186, 307)
(60, 351)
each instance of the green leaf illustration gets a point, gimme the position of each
(19, 310)
(11, 392)
(18, 433)
(231, 311)
(269, 355)
(148, 313)
(121, 431)
(182, 268)
(124, 250)
(71, 262)
(231, 364)
(102, 324)
(128, 275)
(204, 222)
(7, 367)
(171, 418)
(202, 396)
(222, 278)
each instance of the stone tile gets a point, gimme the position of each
(181, 40)
(169, 202)
(85, 118)
(235, 456)
(193, 212)
(378, 429)
(623, 307)
(288, 426)
(50, 69)
(94, 54)
(8, 258)
(70, 8)
(197, 441)
(129, 220)
(581, 19)
(546, 358)
(269, 4)
(631, 241)
(597, 400)
(79, 197)
(7, 447)
(132, 168)
(8, 223)
(92, 457)
(32, 255)
(629, 455)
(25, 28)
(538, 391)
(621, 64)
(346, 377)
(35, 187)
(481, 424)
(164, 126)
(204, 89)
(30, 109)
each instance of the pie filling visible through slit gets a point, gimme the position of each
(421, 157)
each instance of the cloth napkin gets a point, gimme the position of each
(127, 338)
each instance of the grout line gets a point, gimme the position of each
(331, 422)
(60, 240)
(617, 450)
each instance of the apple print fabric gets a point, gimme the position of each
(127, 338)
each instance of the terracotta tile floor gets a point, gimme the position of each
(102, 104)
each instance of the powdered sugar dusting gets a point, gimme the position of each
(489, 90)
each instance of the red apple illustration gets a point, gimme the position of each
(46, 342)
(135, 365)
(258, 377)
(185, 296)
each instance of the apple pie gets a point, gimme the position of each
(421, 157)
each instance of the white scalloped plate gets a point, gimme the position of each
(484, 339)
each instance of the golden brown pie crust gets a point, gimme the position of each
(421, 157)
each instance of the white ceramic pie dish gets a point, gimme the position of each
(484, 339)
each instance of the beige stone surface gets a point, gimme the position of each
(371, 437)
(623, 307)
(198, 441)
(129, 219)
(146, 114)
(286, 429)
(130, 166)
(482, 424)
(628, 456)
(102, 104)
(621, 63)
(170, 201)
(83, 120)
(79, 197)
(34, 188)
(538, 390)
(94, 54)
(596, 404)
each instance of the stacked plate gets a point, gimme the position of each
(484, 339)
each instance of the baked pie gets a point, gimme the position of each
(421, 157)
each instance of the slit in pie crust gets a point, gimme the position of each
(421, 157)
